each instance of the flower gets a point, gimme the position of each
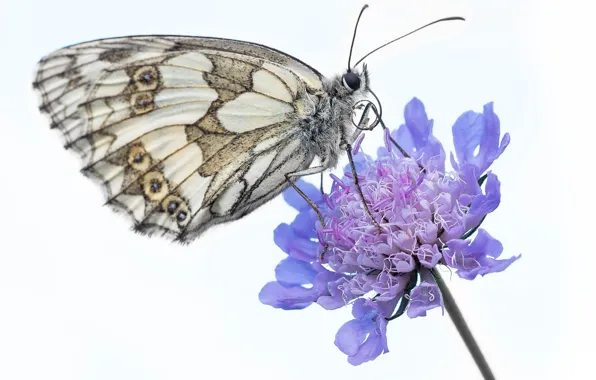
(424, 216)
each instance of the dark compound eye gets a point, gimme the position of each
(351, 81)
(172, 206)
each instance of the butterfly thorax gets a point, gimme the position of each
(326, 118)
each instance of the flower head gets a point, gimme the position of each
(427, 217)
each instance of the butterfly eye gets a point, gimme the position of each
(351, 81)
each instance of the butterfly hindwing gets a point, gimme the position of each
(181, 133)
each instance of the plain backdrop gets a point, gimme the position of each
(82, 297)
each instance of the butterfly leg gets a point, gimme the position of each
(302, 173)
(321, 185)
(348, 149)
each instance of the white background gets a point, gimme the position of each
(81, 297)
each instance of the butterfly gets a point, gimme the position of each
(183, 133)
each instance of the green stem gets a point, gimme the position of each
(462, 327)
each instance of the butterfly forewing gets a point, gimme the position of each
(181, 133)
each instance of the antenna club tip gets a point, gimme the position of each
(452, 18)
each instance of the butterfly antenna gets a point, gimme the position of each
(405, 35)
(354, 36)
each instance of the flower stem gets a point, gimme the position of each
(462, 327)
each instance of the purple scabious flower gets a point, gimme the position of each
(428, 215)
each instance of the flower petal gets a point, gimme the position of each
(351, 336)
(375, 345)
(364, 338)
(337, 296)
(478, 257)
(304, 224)
(388, 287)
(416, 138)
(468, 184)
(483, 204)
(295, 200)
(425, 296)
(291, 272)
(292, 298)
(295, 246)
(361, 162)
(428, 255)
(474, 131)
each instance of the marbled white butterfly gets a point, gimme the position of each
(183, 133)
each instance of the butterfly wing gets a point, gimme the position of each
(180, 132)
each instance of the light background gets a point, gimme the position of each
(81, 297)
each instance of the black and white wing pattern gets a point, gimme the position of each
(180, 132)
